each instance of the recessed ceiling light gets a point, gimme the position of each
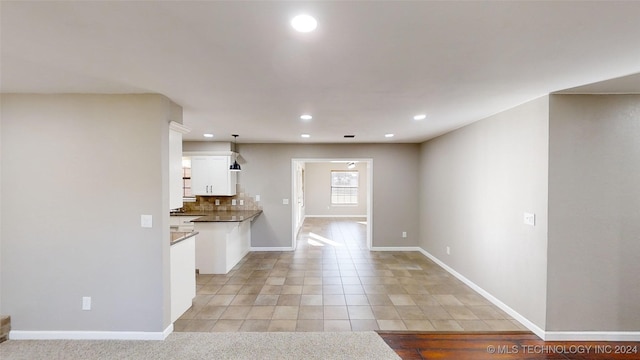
(420, 117)
(306, 117)
(208, 135)
(389, 135)
(304, 23)
(305, 136)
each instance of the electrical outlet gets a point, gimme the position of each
(241, 202)
(448, 250)
(530, 219)
(234, 202)
(257, 198)
(86, 303)
(285, 201)
(404, 234)
(217, 202)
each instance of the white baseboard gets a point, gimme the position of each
(542, 334)
(395, 248)
(89, 335)
(167, 331)
(524, 321)
(592, 336)
(271, 248)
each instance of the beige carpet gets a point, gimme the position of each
(184, 346)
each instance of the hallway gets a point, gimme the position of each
(333, 283)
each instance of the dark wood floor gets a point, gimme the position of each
(503, 346)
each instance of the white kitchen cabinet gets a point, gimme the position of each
(210, 175)
(221, 245)
(175, 164)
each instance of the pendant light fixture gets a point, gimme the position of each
(235, 166)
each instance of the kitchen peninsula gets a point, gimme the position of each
(224, 237)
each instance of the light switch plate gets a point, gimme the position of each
(257, 198)
(146, 221)
(86, 303)
(285, 201)
(530, 219)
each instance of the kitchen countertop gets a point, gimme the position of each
(178, 236)
(221, 216)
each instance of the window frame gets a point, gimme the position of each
(355, 190)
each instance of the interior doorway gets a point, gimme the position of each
(335, 196)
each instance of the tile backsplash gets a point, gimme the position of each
(208, 203)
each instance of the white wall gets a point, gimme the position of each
(77, 173)
(318, 190)
(594, 213)
(475, 184)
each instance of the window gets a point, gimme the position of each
(186, 182)
(186, 178)
(344, 187)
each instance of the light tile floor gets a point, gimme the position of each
(333, 283)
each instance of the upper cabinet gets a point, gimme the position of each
(210, 175)
(175, 164)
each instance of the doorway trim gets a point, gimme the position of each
(295, 162)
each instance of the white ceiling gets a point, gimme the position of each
(238, 67)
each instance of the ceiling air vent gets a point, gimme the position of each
(349, 136)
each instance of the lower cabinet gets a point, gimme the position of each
(221, 245)
(183, 276)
